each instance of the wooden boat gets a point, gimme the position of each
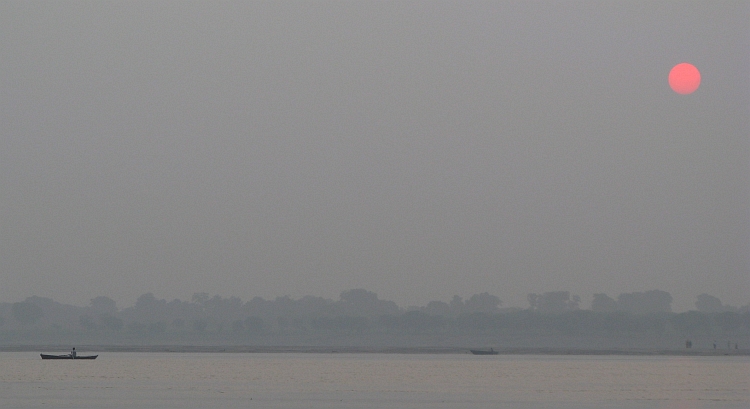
(68, 356)
(484, 352)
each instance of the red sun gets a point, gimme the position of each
(684, 78)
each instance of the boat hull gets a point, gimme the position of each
(483, 352)
(45, 356)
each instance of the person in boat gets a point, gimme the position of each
(73, 353)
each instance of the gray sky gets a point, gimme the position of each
(415, 149)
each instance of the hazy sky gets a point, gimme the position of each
(415, 149)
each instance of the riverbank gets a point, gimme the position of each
(370, 350)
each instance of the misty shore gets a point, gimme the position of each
(373, 350)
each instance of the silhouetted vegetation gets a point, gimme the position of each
(27, 312)
(360, 317)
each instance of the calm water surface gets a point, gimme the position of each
(174, 380)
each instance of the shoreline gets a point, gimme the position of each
(371, 350)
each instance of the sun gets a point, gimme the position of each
(684, 78)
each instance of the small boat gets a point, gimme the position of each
(68, 356)
(484, 352)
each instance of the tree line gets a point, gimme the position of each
(359, 312)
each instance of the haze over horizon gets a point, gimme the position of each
(418, 150)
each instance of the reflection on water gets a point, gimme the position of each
(126, 380)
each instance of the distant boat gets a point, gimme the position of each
(68, 356)
(484, 352)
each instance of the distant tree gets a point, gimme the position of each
(708, 303)
(728, 320)
(137, 328)
(477, 321)
(692, 323)
(359, 297)
(299, 324)
(419, 321)
(456, 305)
(254, 324)
(483, 302)
(282, 322)
(222, 307)
(535, 300)
(26, 313)
(438, 308)
(388, 321)
(148, 304)
(574, 303)
(103, 305)
(554, 302)
(200, 298)
(157, 327)
(360, 302)
(603, 303)
(348, 323)
(654, 301)
(87, 323)
(238, 326)
(572, 322)
(658, 301)
(145, 300)
(200, 326)
(343, 323)
(110, 323)
(315, 306)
